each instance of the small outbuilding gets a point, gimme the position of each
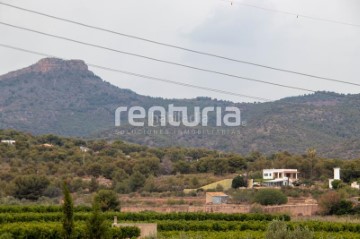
(216, 198)
(7, 141)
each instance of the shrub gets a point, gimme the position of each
(341, 208)
(280, 230)
(327, 201)
(270, 197)
(238, 182)
(30, 187)
(336, 184)
(6, 236)
(108, 200)
(124, 232)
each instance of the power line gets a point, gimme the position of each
(184, 48)
(143, 76)
(159, 60)
(292, 13)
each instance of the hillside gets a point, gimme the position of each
(65, 98)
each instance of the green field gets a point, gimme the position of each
(37, 222)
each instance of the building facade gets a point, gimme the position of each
(279, 177)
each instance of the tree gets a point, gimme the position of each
(182, 167)
(327, 200)
(137, 180)
(238, 181)
(30, 187)
(96, 226)
(93, 185)
(94, 170)
(107, 200)
(68, 210)
(270, 197)
(332, 203)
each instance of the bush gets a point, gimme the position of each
(327, 202)
(30, 187)
(336, 184)
(341, 208)
(124, 232)
(280, 230)
(238, 182)
(270, 197)
(108, 200)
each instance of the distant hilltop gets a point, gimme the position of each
(63, 97)
(49, 64)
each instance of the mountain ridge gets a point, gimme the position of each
(64, 97)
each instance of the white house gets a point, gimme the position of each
(84, 149)
(9, 142)
(279, 177)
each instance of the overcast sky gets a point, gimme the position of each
(236, 31)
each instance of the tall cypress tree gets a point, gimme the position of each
(68, 210)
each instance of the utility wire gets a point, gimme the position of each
(184, 48)
(143, 76)
(292, 13)
(158, 60)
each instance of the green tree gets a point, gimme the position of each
(96, 227)
(107, 200)
(238, 181)
(270, 197)
(93, 185)
(68, 210)
(30, 187)
(136, 181)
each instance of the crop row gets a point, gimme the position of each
(39, 209)
(145, 216)
(246, 235)
(254, 226)
(41, 230)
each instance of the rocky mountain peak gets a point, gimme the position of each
(50, 64)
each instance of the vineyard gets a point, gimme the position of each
(37, 222)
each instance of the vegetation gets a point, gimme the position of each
(126, 168)
(280, 230)
(239, 181)
(79, 103)
(270, 197)
(179, 225)
(96, 227)
(107, 200)
(68, 210)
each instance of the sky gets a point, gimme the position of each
(216, 26)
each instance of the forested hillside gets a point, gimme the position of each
(65, 98)
(35, 166)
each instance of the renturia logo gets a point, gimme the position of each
(177, 115)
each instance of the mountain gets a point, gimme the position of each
(64, 97)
